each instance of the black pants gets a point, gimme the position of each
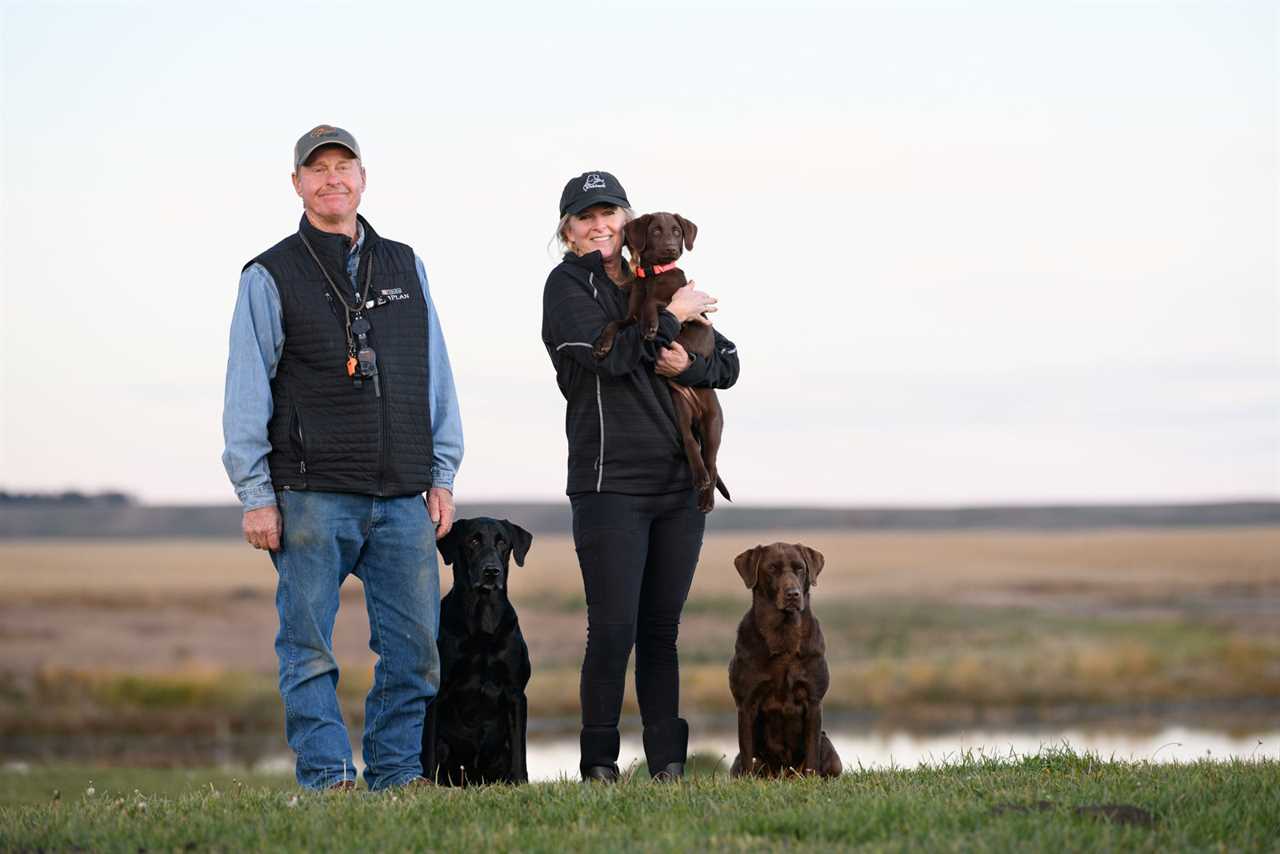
(637, 554)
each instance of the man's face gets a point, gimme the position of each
(330, 184)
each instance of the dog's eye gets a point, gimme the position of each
(475, 540)
(500, 542)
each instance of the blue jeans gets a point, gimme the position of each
(389, 544)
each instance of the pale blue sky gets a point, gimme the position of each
(970, 252)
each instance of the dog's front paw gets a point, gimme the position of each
(702, 479)
(707, 499)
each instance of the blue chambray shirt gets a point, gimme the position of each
(257, 338)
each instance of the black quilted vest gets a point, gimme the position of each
(326, 433)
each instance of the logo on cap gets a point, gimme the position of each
(594, 182)
(322, 130)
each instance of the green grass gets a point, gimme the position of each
(45, 785)
(1203, 806)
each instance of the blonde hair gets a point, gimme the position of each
(559, 239)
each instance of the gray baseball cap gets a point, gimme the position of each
(321, 135)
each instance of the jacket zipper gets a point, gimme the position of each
(384, 432)
(600, 458)
(302, 443)
(595, 295)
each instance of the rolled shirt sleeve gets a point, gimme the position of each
(257, 338)
(442, 397)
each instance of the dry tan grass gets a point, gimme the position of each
(206, 607)
(130, 568)
(942, 563)
(873, 564)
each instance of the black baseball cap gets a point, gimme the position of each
(592, 188)
(322, 135)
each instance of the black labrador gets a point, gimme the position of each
(475, 727)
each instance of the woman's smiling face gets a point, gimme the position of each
(599, 227)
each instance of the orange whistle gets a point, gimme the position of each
(351, 366)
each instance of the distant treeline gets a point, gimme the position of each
(63, 499)
(121, 518)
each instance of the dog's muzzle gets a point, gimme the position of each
(490, 578)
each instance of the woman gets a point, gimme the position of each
(636, 524)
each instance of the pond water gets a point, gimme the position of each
(552, 759)
(552, 755)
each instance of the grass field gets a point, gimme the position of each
(1043, 802)
(922, 628)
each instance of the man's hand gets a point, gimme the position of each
(440, 509)
(673, 360)
(262, 528)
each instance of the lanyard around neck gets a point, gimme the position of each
(368, 279)
(352, 312)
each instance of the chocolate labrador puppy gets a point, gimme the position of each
(656, 242)
(778, 674)
(475, 728)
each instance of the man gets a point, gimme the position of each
(339, 414)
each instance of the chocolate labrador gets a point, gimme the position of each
(778, 674)
(475, 728)
(656, 242)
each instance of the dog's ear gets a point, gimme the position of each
(450, 543)
(748, 565)
(520, 541)
(815, 560)
(690, 231)
(636, 235)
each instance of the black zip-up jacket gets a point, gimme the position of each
(619, 417)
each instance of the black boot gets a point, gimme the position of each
(599, 755)
(666, 745)
(600, 774)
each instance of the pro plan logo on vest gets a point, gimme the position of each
(594, 182)
(386, 296)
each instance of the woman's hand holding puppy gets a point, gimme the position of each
(690, 304)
